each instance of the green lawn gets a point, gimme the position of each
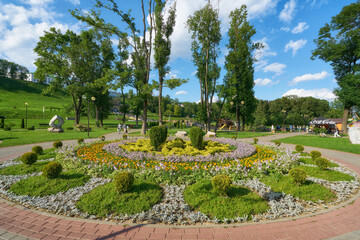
(21, 137)
(340, 144)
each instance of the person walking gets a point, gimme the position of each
(336, 134)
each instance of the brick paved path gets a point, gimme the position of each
(18, 222)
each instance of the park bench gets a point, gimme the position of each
(43, 125)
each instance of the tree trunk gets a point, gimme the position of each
(144, 120)
(124, 106)
(97, 113)
(160, 96)
(243, 123)
(77, 116)
(344, 120)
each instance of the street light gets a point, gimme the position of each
(26, 104)
(284, 112)
(88, 113)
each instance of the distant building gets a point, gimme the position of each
(30, 78)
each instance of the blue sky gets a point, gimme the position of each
(286, 29)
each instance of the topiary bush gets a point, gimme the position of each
(221, 184)
(22, 123)
(298, 175)
(29, 158)
(196, 137)
(123, 181)
(158, 136)
(38, 150)
(277, 143)
(322, 163)
(299, 148)
(80, 141)
(125, 136)
(57, 144)
(52, 170)
(255, 140)
(315, 154)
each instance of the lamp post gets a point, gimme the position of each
(26, 105)
(284, 112)
(88, 113)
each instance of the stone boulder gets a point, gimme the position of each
(210, 134)
(180, 134)
(56, 127)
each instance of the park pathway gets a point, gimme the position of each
(338, 223)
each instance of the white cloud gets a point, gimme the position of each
(21, 28)
(302, 26)
(181, 38)
(285, 29)
(277, 68)
(172, 74)
(295, 46)
(181, 92)
(74, 2)
(261, 54)
(309, 77)
(264, 82)
(287, 14)
(322, 93)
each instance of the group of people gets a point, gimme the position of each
(124, 127)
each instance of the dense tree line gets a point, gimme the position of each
(12, 70)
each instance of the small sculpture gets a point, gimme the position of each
(56, 127)
(354, 132)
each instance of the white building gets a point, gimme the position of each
(31, 78)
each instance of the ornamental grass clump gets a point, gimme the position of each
(299, 148)
(315, 154)
(29, 158)
(322, 163)
(125, 136)
(38, 150)
(221, 184)
(255, 140)
(277, 143)
(298, 175)
(123, 181)
(57, 144)
(158, 136)
(52, 170)
(196, 137)
(80, 141)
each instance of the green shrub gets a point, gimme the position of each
(125, 136)
(7, 127)
(298, 175)
(179, 143)
(80, 141)
(158, 136)
(315, 154)
(277, 143)
(123, 181)
(38, 150)
(102, 138)
(69, 128)
(57, 144)
(52, 170)
(196, 137)
(31, 128)
(22, 123)
(322, 163)
(255, 140)
(233, 137)
(221, 184)
(29, 158)
(2, 123)
(299, 148)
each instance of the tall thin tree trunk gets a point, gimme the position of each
(344, 120)
(160, 96)
(97, 113)
(243, 123)
(144, 120)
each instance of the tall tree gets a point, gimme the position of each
(338, 43)
(72, 59)
(239, 65)
(204, 25)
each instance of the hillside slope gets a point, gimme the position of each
(14, 94)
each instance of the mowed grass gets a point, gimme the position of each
(326, 174)
(239, 202)
(309, 191)
(23, 169)
(41, 186)
(105, 199)
(340, 144)
(312, 162)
